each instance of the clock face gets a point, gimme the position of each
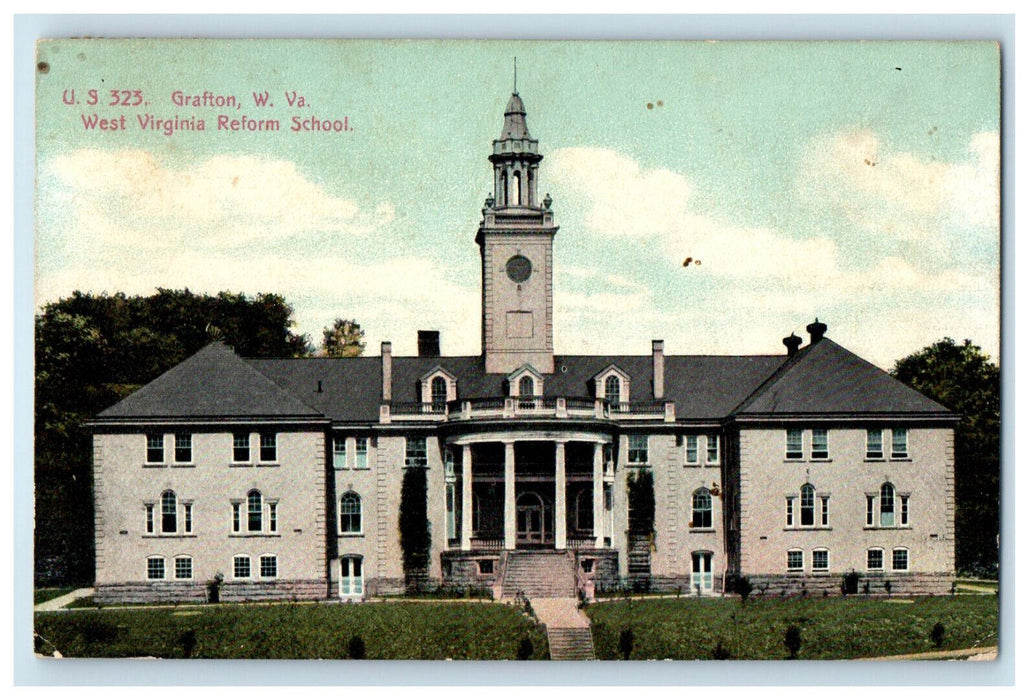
(519, 268)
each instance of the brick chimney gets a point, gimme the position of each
(428, 343)
(816, 331)
(658, 365)
(386, 371)
(792, 342)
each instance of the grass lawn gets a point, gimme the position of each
(831, 628)
(294, 631)
(42, 595)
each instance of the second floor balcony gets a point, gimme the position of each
(526, 407)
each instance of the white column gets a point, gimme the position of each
(598, 495)
(560, 507)
(466, 496)
(509, 508)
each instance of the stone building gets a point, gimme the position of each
(542, 473)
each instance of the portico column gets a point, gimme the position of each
(560, 507)
(598, 495)
(466, 496)
(509, 509)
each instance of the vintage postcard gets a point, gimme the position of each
(517, 350)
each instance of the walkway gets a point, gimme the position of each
(568, 629)
(61, 601)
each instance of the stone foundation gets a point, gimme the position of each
(875, 584)
(199, 592)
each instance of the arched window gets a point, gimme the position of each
(888, 505)
(517, 188)
(351, 514)
(438, 393)
(612, 390)
(255, 511)
(701, 509)
(526, 386)
(168, 511)
(807, 502)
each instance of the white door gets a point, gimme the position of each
(350, 583)
(701, 572)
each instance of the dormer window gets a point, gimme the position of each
(437, 388)
(612, 385)
(438, 393)
(525, 382)
(612, 389)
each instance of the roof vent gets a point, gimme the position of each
(428, 343)
(816, 330)
(792, 342)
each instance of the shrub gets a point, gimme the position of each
(525, 649)
(720, 652)
(888, 588)
(938, 633)
(357, 648)
(851, 583)
(743, 587)
(793, 641)
(187, 641)
(213, 587)
(626, 643)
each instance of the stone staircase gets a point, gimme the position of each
(570, 644)
(539, 574)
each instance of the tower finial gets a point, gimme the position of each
(515, 75)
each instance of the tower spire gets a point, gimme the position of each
(515, 91)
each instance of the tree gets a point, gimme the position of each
(965, 380)
(415, 537)
(344, 339)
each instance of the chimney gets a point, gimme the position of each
(428, 343)
(816, 331)
(792, 342)
(658, 364)
(386, 371)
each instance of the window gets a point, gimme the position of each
(350, 583)
(701, 509)
(900, 559)
(806, 505)
(888, 505)
(899, 443)
(268, 566)
(486, 567)
(825, 512)
(789, 511)
(417, 452)
(875, 444)
(638, 449)
(155, 448)
(701, 571)
(242, 447)
(242, 567)
(870, 509)
(712, 449)
(795, 560)
(793, 444)
(820, 562)
(338, 451)
(613, 390)
(904, 510)
(438, 394)
(268, 447)
(235, 510)
(183, 448)
(361, 453)
(272, 507)
(691, 449)
(451, 511)
(350, 514)
(875, 559)
(155, 568)
(188, 518)
(168, 512)
(183, 568)
(585, 510)
(149, 518)
(448, 465)
(819, 444)
(526, 387)
(255, 511)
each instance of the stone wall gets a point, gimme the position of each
(874, 584)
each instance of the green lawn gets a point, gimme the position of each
(831, 628)
(294, 631)
(42, 595)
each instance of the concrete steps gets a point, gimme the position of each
(539, 575)
(570, 644)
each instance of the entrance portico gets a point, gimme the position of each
(532, 489)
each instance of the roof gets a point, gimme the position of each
(212, 383)
(514, 120)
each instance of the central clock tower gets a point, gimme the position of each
(516, 239)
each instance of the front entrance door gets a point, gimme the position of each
(533, 516)
(701, 572)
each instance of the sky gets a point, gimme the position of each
(855, 182)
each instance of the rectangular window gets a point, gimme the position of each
(824, 512)
(273, 516)
(188, 518)
(361, 453)
(820, 560)
(155, 569)
(819, 444)
(183, 448)
(338, 451)
(242, 447)
(235, 509)
(184, 568)
(268, 566)
(904, 510)
(268, 447)
(875, 444)
(417, 452)
(875, 559)
(793, 444)
(789, 509)
(870, 510)
(242, 567)
(149, 518)
(449, 468)
(155, 448)
(899, 443)
(795, 560)
(900, 560)
(712, 449)
(691, 449)
(451, 511)
(638, 449)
